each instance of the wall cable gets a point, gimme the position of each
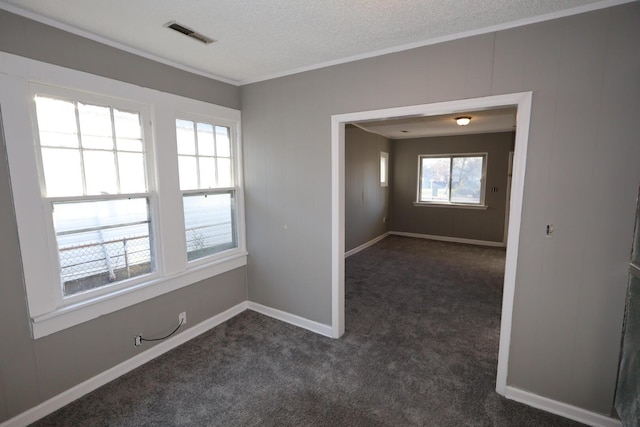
(163, 338)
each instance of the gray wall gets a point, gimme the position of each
(34, 371)
(366, 201)
(34, 40)
(582, 176)
(473, 224)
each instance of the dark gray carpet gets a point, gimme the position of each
(420, 349)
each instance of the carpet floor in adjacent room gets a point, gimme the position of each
(420, 349)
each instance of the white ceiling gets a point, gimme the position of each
(261, 39)
(483, 121)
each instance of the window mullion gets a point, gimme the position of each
(96, 197)
(114, 149)
(197, 155)
(80, 149)
(215, 156)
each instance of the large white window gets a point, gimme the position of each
(116, 201)
(94, 173)
(452, 179)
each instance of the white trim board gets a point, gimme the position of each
(292, 319)
(523, 103)
(559, 408)
(49, 406)
(366, 245)
(449, 239)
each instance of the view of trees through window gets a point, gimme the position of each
(451, 179)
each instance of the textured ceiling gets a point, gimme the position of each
(259, 39)
(482, 121)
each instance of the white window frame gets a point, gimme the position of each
(47, 313)
(48, 202)
(237, 187)
(440, 203)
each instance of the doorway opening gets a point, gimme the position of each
(522, 102)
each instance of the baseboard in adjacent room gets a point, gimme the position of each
(562, 409)
(76, 392)
(449, 239)
(318, 328)
(365, 245)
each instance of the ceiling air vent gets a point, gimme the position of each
(189, 32)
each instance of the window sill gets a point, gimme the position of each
(75, 314)
(450, 205)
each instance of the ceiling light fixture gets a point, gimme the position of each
(463, 121)
(189, 32)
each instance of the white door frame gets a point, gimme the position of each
(523, 103)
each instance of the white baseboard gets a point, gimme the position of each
(76, 392)
(365, 245)
(562, 409)
(68, 396)
(318, 328)
(450, 239)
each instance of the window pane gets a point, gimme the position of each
(434, 179)
(62, 173)
(224, 173)
(130, 145)
(102, 242)
(94, 120)
(99, 142)
(223, 145)
(185, 137)
(127, 124)
(205, 140)
(54, 139)
(188, 172)
(55, 115)
(132, 176)
(466, 179)
(91, 170)
(209, 224)
(100, 172)
(384, 169)
(207, 172)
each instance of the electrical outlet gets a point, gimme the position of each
(182, 318)
(549, 230)
(137, 341)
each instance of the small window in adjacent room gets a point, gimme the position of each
(384, 169)
(205, 159)
(452, 179)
